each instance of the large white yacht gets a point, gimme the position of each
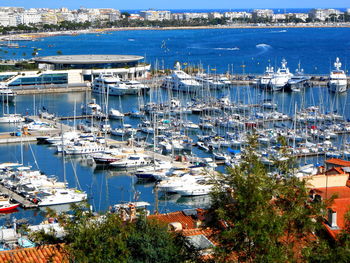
(110, 84)
(132, 161)
(181, 81)
(264, 81)
(61, 196)
(337, 78)
(280, 79)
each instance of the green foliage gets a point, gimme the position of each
(265, 215)
(91, 238)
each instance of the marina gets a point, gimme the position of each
(165, 131)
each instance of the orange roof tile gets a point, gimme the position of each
(47, 253)
(327, 192)
(187, 221)
(338, 162)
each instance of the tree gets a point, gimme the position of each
(105, 238)
(264, 215)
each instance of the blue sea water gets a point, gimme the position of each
(220, 49)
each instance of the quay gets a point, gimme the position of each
(25, 203)
(46, 89)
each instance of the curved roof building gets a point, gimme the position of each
(87, 59)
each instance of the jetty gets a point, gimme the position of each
(25, 203)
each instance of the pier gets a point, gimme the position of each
(25, 203)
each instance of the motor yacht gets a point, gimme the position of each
(280, 79)
(181, 81)
(264, 81)
(60, 196)
(337, 79)
(132, 161)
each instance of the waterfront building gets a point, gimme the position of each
(262, 13)
(279, 17)
(190, 16)
(215, 15)
(323, 14)
(237, 15)
(75, 70)
(154, 15)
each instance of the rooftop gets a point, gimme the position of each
(48, 253)
(338, 162)
(88, 59)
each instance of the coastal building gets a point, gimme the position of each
(237, 15)
(190, 16)
(154, 15)
(215, 15)
(318, 14)
(302, 16)
(279, 17)
(75, 70)
(262, 13)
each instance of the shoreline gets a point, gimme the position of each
(35, 36)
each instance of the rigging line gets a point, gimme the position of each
(35, 161)
(99, 202)
(75, 174)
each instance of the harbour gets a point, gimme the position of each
(107, 185)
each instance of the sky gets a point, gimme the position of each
(178, 4)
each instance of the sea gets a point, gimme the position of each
(216, 50)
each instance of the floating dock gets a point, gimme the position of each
(25, 203)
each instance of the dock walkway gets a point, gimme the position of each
(20, 199)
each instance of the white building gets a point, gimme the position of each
(153, 15)
(237, 15)
(190, 16)
(215, 15)
(323, 14)
(31, 16)
(262, 13)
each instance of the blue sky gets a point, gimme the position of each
(178, 4)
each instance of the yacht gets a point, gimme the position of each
(67, 136)
(264, 81)
(84, 147)
(110, 84)
(115, 114)
(337, 79)
(60, 196)
(132, 161)
(181, 81)
(299, 80)
(280, 79)
(209, 81)
(7, 94)
(11, 118)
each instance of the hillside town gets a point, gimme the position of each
(15, 16)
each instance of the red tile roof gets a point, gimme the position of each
(342, 192)
(187, 221)
(43, 254)
(341, 205)
(339, 162)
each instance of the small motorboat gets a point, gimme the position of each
(6, 205)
